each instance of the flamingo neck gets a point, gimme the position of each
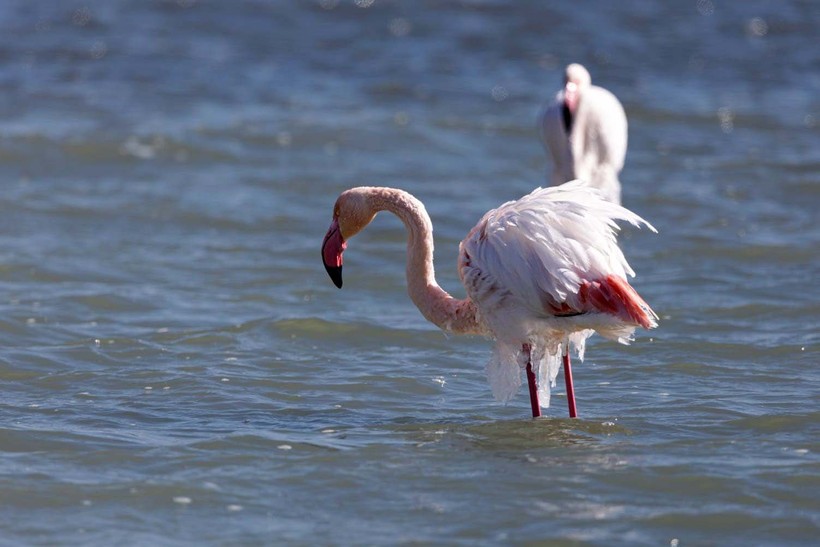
(437, 305)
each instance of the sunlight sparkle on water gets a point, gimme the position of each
(757, 27)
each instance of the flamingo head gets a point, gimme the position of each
(576, 79)
(351, 214)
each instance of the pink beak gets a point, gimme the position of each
(571, 96)
(332, 248)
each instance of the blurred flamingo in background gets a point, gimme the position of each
(584, 130)
(542, 273)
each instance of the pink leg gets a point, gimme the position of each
(531, 383)
(570, 389)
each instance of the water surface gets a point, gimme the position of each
(177, 368)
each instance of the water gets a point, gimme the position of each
(177, 368)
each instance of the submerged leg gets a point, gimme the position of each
(531, 383)
(568, 380)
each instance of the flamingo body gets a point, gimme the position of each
(542, 274)
(546, 270)
(584, 131)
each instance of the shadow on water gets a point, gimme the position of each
(358, 431)
(512, 435)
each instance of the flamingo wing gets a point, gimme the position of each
(554, 252)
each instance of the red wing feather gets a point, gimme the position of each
(615, 296)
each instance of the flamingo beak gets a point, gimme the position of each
(571, 96)
(332, 248)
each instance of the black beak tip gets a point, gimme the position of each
(335, 273)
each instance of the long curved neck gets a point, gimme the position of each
(439, 307)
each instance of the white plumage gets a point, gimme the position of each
(524, 264)
(584, 130)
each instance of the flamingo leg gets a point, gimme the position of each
(573, 413)
(532, 384)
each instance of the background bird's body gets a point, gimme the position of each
(586, 140)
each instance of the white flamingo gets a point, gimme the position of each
(541, 273)
(584, 130)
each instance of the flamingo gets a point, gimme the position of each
(585, 132)
(541, 274)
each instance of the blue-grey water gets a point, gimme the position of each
(177, 369)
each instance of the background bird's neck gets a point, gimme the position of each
(437, 306)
